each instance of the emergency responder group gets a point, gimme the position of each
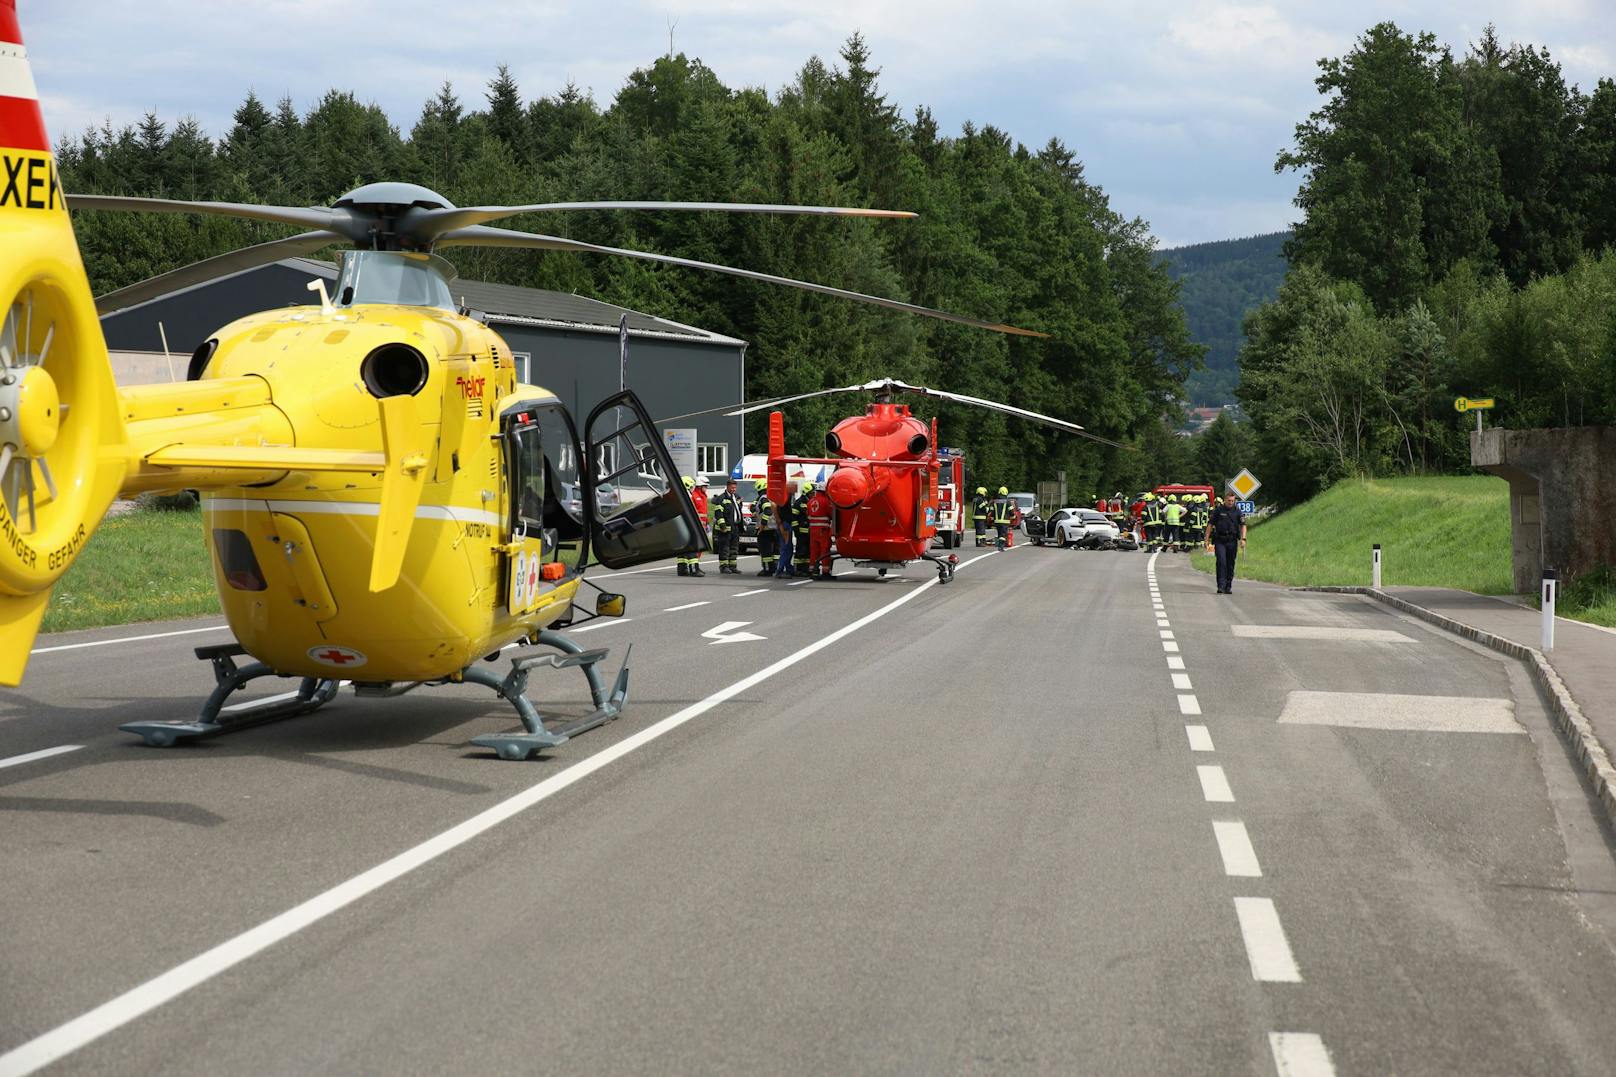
(1174, 521)
(1001, 513)
(793, 539)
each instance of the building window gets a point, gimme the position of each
(712, 456)
(524, 366)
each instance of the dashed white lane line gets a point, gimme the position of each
(1200, 738)
(1234, 845)
(1300, 1054)
(687, 606)
(606, 623)
(1169, 646)
(743, 594)
(1181, 681)
(43, 753)
(127, 639)
(1174, 662)
(1214, 786)
(1166, 633)
(800, 583)
(1162, 622)
(1188, 704)
(1266, 947)
(134, 1003)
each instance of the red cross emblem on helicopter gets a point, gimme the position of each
(341, 657)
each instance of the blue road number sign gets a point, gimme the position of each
(1246, 507)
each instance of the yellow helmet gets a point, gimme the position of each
(807, 487)
(1003, 490)
(690, 483)
(982, 490)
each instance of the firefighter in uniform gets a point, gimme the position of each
(1003, 512)
(799, 530)
(981, 512)
(690, 565)
(768, 539)
(727, 529)
(819, 533)
(1152, 522)
(1173, 515)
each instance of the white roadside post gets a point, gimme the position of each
(1376, 562)
(1550, 585)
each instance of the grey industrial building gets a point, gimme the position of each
(566, 343)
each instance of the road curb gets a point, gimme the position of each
(1568, 717)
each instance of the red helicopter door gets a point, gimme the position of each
(638, 509)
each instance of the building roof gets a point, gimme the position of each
(513, 305)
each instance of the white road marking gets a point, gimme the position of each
(1175, 662)
(1188, 704)
(1169, 646)
(687, 606)
(608, 574)
(1266, 948)
(1329, 632)
(1162, 622)
(1300, 1054)
(1181, 681)
(264, 702)
(1234, 845)
(1214, 786)
(63, 1040)
(799, 583)
(603, 623)
(1376, 710)
(43, 753)
(127, 639)
(1200, 738)
(729, 632)
(743, 594)
(1166, 633)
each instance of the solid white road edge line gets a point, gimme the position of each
(1214, 786)
(1266, 948)
(127, 639)
(603, 624)
(743, 594)
(63, 1040)
(1300, 1054)
(1234, 845)
(43, 753)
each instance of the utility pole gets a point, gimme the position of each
(671, 24)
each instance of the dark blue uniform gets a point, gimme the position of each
(1227, 522)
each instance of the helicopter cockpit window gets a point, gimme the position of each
(418, 280)
(526, 447)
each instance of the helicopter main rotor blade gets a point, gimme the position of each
(218, 266)
(1008, 409)
(484, 236)
(434, 222)
(307, 217)
(761, 405)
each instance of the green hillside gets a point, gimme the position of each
(1219, 283)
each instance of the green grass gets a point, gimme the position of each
(147, 565)
(1591, 598)
(1433, 532)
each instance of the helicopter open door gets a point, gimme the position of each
(636, 502)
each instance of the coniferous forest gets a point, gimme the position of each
(1004, 232)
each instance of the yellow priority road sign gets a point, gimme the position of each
(1464, 404)
(1244, 484)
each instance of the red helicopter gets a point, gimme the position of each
(884, 487)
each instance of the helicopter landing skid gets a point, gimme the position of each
(312, 694)
(513, 689)
(945, 566)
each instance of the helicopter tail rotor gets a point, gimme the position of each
(62, 438)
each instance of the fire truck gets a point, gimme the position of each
(953, 498)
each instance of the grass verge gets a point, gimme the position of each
(146, 565)
(1433, 532)
(1591, 598)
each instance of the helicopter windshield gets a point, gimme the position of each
(414, 280)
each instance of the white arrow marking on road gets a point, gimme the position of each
(725, 633)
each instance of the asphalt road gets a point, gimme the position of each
(1069, 813)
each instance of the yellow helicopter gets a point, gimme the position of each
(384, 503)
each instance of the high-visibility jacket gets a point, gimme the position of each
(726, 512)
(819, 507)
(1003, 510)
(798, 520)
(763, 510)
(981, 509)
(698, 498)
(1174, 514)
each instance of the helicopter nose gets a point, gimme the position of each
(847, 487)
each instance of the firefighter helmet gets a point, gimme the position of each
(690, 483)
(983, 490)
(1004, 490)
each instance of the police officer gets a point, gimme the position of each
(1226, 535)
(981, 511)
(726, 509)
(1003, 512)
(690, 564)
(799, 530)
(768, 539)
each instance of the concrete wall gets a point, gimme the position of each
(1561, 487)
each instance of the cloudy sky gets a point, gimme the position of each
(1177, 108)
